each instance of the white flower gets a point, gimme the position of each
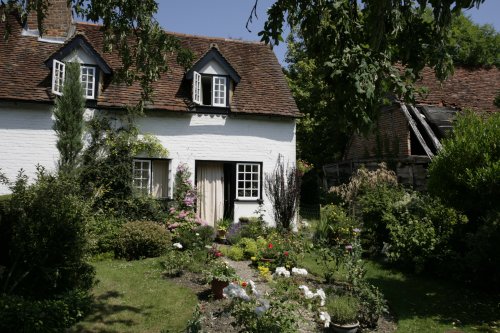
(197, 234)
(281, 271)
(299, 271)
(322, 296)
(235, 291)
(253, 288)
(325, 317)
(177, 245)
(307, 293)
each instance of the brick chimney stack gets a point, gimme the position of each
(57, 23)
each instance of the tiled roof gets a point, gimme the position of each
(467, 88)
(262, 89)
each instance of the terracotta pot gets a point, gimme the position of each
(217, 288)
(349, 328)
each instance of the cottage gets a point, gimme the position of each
(228, 117)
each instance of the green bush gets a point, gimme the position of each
(236, 253)
(371, 304)
(466, 172)
(194, 238)
(335, 226)
(249, 247)
(45, 224)
(18, 314)
(141, 239)
(102, 232)
(175, 262)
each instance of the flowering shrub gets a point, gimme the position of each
(221, 271)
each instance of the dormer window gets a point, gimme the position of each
(87, 78)
(209, 90)
(92, 66)
(212, 79)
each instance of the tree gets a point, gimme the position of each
(359, 50)
(68, 122)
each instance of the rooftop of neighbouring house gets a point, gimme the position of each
(473, 88)
(262, 88)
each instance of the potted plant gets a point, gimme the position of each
(343, 311)
(219, 275)
(222, 227)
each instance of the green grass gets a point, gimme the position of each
(425, 304)
(132, 296)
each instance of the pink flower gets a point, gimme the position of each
(182, 214)
(348, 247)
(172, 209)
(285, 253)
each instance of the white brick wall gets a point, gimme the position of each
(27, 138)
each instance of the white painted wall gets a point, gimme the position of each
(27, 138)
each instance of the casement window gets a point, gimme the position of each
(248, 181)
(209, 90)
(87, 78)
(151, 177)
(58, 74)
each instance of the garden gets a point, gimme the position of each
(381, 257)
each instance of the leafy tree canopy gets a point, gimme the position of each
(360, 47)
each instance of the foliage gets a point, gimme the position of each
(102, 232)
(343, 310)
(249, 247)
(20, 314)
(106, 173)
(474, 45)
(141, 239)
(221, 271)
(194, 237)
(372, 304)
(261, 315)
(175, 262)
(466, 172)
(129, 28)
(236, 253)
(283, 189)
(68, 119)
(335, 227)
(45, 251)
(357, 49)
(253, 228)
(223, 224)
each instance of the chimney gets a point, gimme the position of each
(57, 22)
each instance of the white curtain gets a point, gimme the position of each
(210, 184)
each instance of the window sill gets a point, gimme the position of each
(212, 109)
(258, 200)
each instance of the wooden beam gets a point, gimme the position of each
(414, 127)
(428, 129)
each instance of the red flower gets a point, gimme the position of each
(218, 254)
(244, 284)
(270, 246)
(285, 253)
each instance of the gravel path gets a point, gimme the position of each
(246, 273)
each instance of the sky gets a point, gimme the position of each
(227, 18)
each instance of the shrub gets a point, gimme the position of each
(343, 310)
(371, 304)
(18, 314)
(254, 228)
(194, 237)
(141, 239)
(249, 247)
(335, 226)
(176, 262)
(283, 189)
(46, 227)
(466, 172)
(236, 253)
(102, 232)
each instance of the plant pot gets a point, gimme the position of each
(217, 288)
(267, 259)
(221, 234)
(349, 328)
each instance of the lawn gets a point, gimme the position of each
(425, 304)
(132, 296)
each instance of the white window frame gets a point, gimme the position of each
(58, 76)
(197, 94)
(245, 180)
(87, 83)
(222, 92)
(134, 178)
